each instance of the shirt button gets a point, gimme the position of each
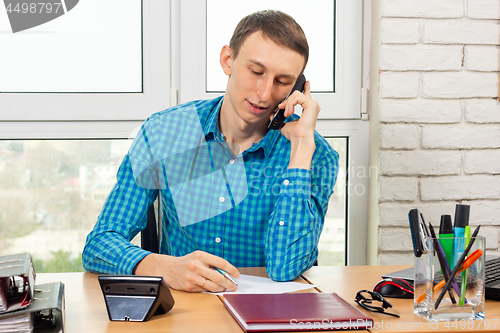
(231, 161)
(217, 240)
(222, 199)
(286, 182)
(282, 223)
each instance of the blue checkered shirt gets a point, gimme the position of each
(249, 209)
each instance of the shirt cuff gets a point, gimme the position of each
(131, 257)
(297, 183)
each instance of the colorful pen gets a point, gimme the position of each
(445, 267)
(463, 286)
(457, 267)
(467, 263)
(226, 275)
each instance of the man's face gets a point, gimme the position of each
(260, 76)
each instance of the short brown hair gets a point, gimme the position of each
(281, 28)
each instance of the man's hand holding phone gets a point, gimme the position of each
(301, 132)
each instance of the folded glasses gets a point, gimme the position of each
(366, 298)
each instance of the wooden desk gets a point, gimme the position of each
(192, 312)
(347, 281)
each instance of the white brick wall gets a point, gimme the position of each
(399, 136)
(482, 111)
(399, 85)
(425, 111)
(419, 162)
(439, 117)
(400, 31)
(461, 136)
(483, 58)
(398, 189)
(421, 57)
(459, 85)
(483, 9)
(395, 214)
(461, 32)
(460, 188)
(482, 161)
(422, 8)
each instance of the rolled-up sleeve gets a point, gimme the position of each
(297, 220)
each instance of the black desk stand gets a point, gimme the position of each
(135, 298)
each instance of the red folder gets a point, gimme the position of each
(294, 312)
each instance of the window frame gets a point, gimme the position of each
(116, 116)
(358, 176)
(111, 115)
(334, 120)
(344, 103)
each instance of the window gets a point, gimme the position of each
(350, 139)
(57, 187)
(332, 243)
(320, 68)
(41, 131)
(51, 192)
(340, 52)
(98, 55)
(339, 40)
(28, 111)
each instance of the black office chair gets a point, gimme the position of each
(151, 235)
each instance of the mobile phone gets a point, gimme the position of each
(419, 232)
(279, 114)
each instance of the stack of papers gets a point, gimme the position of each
(248, 284)
(17, 280)
(4, 284)
(22, 308)
(19, 323)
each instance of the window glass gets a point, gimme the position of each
(316, 19)
(93, 46)
(51, 192)
(332, 243)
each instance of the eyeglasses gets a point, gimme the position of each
(365, 297)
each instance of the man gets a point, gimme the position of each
(234, 192)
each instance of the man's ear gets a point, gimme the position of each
(226, 59)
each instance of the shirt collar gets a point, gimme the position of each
(212, 130)
(267, 143)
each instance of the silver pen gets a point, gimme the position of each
(226, 275)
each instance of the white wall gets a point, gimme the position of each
(438, 117)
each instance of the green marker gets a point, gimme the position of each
(446, 238)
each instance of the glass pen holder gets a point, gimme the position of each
(470, 283)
